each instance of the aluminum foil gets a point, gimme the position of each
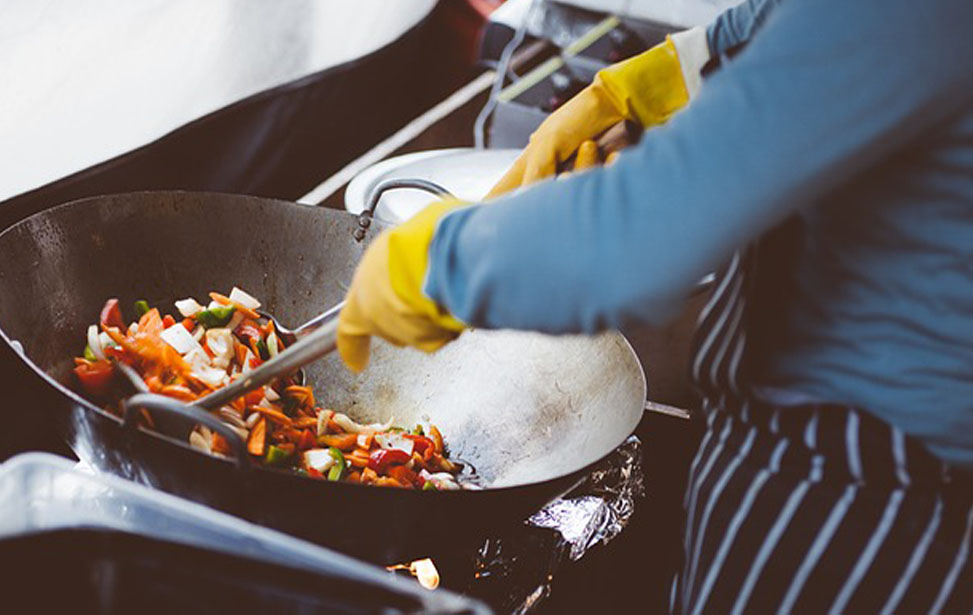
(514, 572)
(598, 509)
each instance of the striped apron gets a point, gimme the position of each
(811, 509)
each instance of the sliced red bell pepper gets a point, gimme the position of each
(111, 315)
(421, 443)
(96, 377)
(384, 457)
(307, 440)
(189, 324)
(168, 321)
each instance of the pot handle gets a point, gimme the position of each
(164, 404)
(365, 217)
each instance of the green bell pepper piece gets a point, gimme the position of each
(263, 350)
(418, 430)
(89, 353)
(276, 455)
(215, 317)
(334, 474)
(141, 307)
(428, 486)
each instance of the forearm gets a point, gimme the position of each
(783, 124)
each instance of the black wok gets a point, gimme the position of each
(529, 412)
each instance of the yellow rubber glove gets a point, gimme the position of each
(386, 297)
(647, 89)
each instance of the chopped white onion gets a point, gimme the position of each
(188, 307)
(272, 345)
(252, 419)
(106, 341)
(94, 342)
(363, 440)
(198, 332)
(351, 426)
(198, 440)
(197, 358)
(200, 364)
(220, 343)
(241, 297)
(323, 417)
(180, 339)
(246, 361)
(235, 320)
(213, 304)
(133, 328)
(319, 459)
(271, 394)
(395, 441)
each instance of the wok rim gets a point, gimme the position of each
(89, 406)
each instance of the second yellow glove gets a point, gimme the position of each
(647, 89)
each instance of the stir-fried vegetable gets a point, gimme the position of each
(282, 423)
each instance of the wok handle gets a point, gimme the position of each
(161, 403)
(365, 217)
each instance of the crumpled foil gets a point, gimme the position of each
(598, 509)
(514, 572)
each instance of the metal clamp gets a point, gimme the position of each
(365, 217)
(167, 405)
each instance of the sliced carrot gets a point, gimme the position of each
(241, 352)
(354, 477)
(254, 348)
(274, 415)
(386, 481)
(305, 422)
(291, 435)
(239, 405)
(254, 397)
(365, 441)
(258, 438)
(154, 383)
(358, 460)
(302, 394)
(220, 445)
(189, 324)
(168, 321)
(343, 442)
(437, 438)
(223, 299)
(81, 361)
(178, 391)
(118, 337)
(368, 475)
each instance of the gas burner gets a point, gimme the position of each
(513, 572)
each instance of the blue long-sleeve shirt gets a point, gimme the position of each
(857, 116)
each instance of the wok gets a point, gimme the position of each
(529, 412)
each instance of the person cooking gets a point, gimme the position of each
(824, 169)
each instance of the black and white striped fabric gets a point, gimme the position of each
(811, 509)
